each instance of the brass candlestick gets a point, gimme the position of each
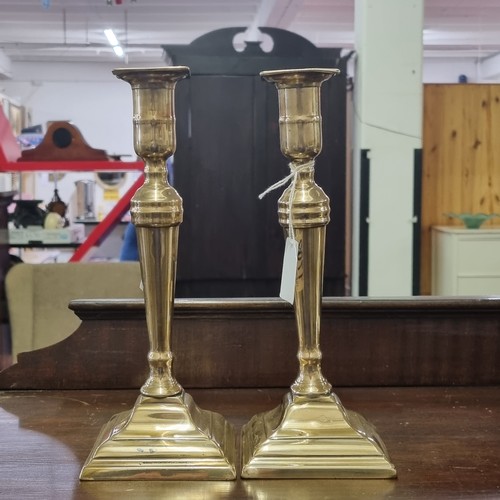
(165, 435)
(310, 435)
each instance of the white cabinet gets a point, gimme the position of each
(465, 261)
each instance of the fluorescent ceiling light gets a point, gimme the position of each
(111, 37)
(118, 50)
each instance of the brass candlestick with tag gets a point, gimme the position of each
(310, 435)
(165, 435)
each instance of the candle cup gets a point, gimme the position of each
(310, 435)
(165, 435)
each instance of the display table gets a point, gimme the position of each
(465, 261)
(444, 441)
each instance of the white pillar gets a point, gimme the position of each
(388, 123)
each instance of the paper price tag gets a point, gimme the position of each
(289, 272)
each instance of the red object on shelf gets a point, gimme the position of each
(71, 166)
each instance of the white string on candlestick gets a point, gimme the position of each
(292, 176)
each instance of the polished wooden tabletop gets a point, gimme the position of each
(444, 441)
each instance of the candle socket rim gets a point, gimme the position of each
(154, 73)
(298, 77)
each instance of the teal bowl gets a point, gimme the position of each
(473, 221)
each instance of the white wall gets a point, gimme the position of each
(448, 69)
(87, 94)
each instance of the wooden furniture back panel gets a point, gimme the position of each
(253, 343)
(461, 158)
(230, 243)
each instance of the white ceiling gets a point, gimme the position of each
(72, 30)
